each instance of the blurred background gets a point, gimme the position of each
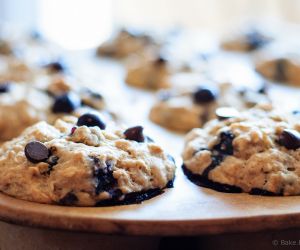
(90, 22)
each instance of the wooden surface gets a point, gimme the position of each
(184, 210)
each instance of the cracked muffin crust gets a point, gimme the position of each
(249, 41)
(22, 105)
(187, 109)
(84, 164)
(256, 152)
(281, 69)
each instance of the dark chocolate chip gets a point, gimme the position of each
(4, 87)
(69, 199)
(91, 120)
(224, 113)
(66, 103)
(103, 173)
(204, 95)
(256, 40)
(36, 151)
(290, 139)
(56, 66)
(161, 60)
(280, 70)
(135, 134)
(263, 89)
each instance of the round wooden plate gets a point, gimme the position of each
(184, 210)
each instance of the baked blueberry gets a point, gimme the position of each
(290, 139)
(204, 95)
(91, 120)
(66, 103)
(36, 152)
(225, 143)
(69, 199)
(135, 134)
(103, 173)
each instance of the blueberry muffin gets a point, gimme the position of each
(256, 152)
(187, 109)
(149, 75)
(281, 69)
(82, 162)
(22, 105)
(249, 41)
(126, 43)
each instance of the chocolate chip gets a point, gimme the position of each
(256, 40)
(73, 130)
(69, 199)
(4, 87)
(91, 120)
(103, 173)
(204, 95)
(224, 113)
(263, 89)
(36, 151)
(135, 134)
(56, 66)
(66, 103)
(290, 139)
(161, 60)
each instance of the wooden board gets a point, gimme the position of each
(184, 210)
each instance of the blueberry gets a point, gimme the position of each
(290, 139)
(256, 40)
(103, 173)
(225, 143)
(36, 152)
(161, 60)
(135, 134)
(4, 87)
(204, 95)
(65, 103)
(91, 120)
(69, 199)
(56, 66)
